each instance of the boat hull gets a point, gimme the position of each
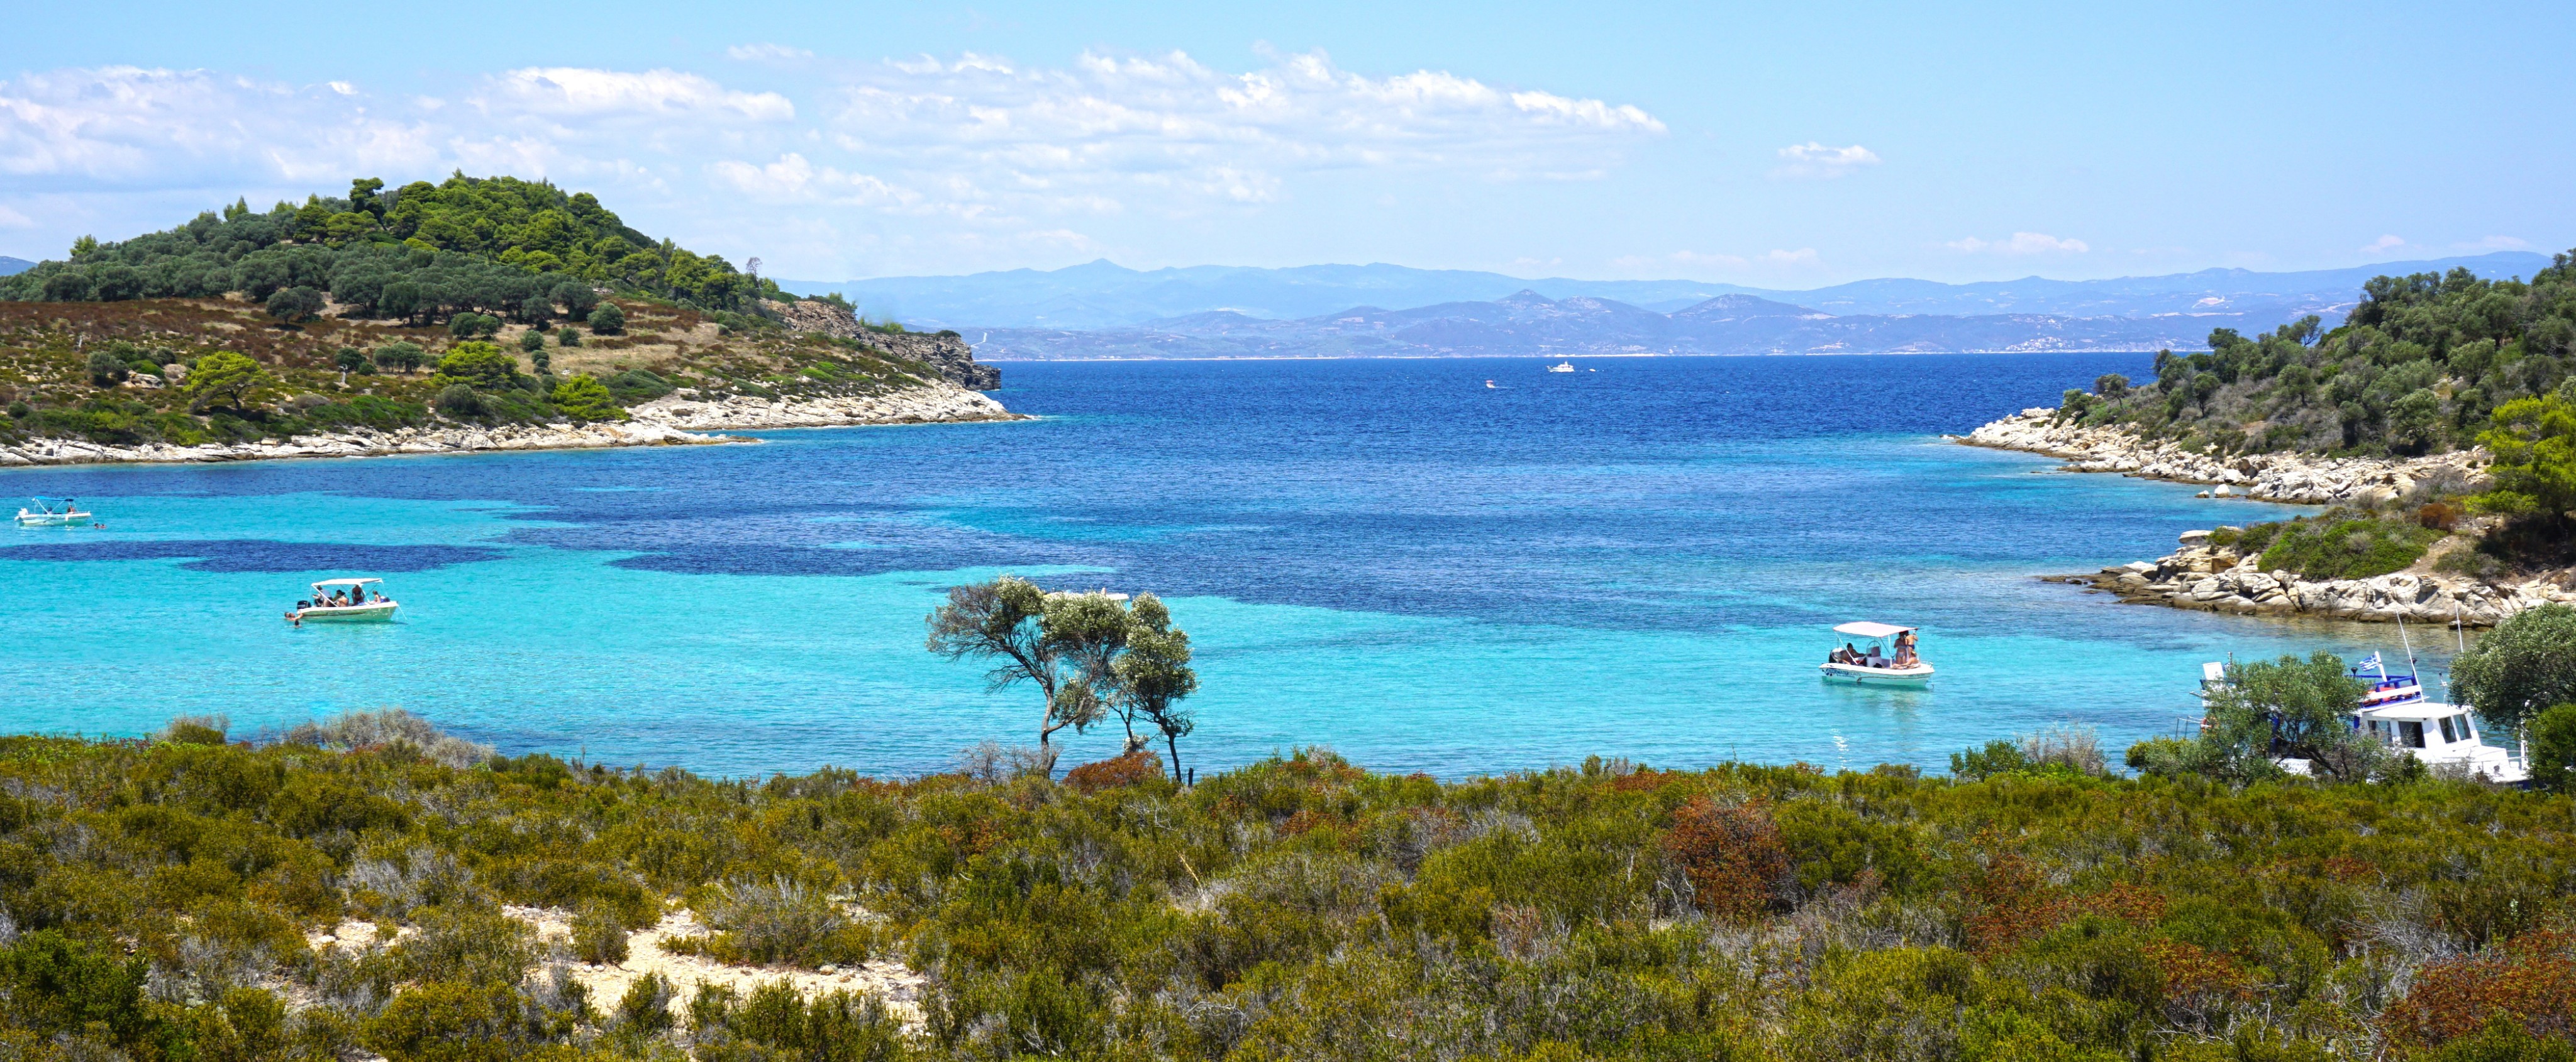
(383, 613)
(1863, 675)
(52, 519)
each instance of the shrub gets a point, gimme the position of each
(646, 1006)
(106, 369)
(1138, 766)
(2553, 749)
(473, 325)
(2348, 549)
(1998, 757)
(1731, 855)
(480, 364)
(566, 337)
(637, 385)
(2440, 516)
(584, 398)
(459, 400)
(195, 730)
(532, 341)
(608, 320)
(2531, 981)
(599, 936)
(448, 1022)
(351, 359)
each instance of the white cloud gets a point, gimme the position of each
(2500, 243)
(2021, 243)
(766, 53)
(11, 219)
(571, 91)
(2383, 244)
(1816, 161)
(1771, 261)
(987, 154)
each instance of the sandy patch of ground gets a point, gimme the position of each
(894, 982)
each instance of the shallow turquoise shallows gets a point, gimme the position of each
(1642, 559)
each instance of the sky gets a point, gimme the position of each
(1781, 145)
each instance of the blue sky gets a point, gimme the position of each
(1785, 145)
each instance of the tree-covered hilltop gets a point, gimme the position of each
(2419, 366)
(419, 252)
(185, 898)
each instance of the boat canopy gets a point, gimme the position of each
(1870, 630)
(345, 582)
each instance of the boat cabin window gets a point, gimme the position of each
(2410, 733)
(2446, 730)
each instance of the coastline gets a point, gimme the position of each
(2276, 477)
(2208, 578)
(680, 419)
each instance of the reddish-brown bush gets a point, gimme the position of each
(1642, 780)
(1129, 769)
(2438, 516)
(1732, 855)
(2530, 980)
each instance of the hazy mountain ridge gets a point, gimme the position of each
(1102, 295)
(1527, 323)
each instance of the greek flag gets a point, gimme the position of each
(2371, 663)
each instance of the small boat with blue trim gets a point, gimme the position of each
(53, 512)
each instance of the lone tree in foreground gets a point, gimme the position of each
(1089, 654)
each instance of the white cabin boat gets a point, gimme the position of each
(1889, 659)
(2394, 709)
(350, 605)
(1562, 366)
(53, 512)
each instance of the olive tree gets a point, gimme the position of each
(1003, 622)
(2270, 711)
(2526, 664)
(1154, 674)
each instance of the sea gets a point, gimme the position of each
(1454, 566)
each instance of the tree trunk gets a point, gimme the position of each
(1173, 742)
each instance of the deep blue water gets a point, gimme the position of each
(1387, 557)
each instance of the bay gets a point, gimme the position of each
(1453, 566)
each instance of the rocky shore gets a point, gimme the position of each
(680, 419)
(2281, 477)
(2213, 578)
(2216, 579)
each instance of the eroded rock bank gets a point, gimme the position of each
(2217, 579)
(2281, 477)
(683, 418)
(945, 351)
(920, 405)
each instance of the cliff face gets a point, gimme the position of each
(945, 351)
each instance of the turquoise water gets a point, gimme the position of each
(1388, 558)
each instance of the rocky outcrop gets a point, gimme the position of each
(919, 405)
(2283, 477)
(945, 351)
(2217, 579)
(437, 440)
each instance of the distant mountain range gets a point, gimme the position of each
(11, 266)
(1528, 323)
(1103, 296)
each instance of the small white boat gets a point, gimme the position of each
(53, 512)
(2394, 709)
(344, 601)
(1562, 366)
(1877, 665)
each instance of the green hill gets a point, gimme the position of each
(421, 252)
(2419, 366)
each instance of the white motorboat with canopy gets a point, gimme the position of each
(53, 512)
(1882, 654)
(344, 601)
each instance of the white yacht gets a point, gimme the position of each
(1562, 366)
(2394, 709)
(1876, 665)
(343, 601)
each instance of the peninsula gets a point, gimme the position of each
(477, 314)
(2434, 424)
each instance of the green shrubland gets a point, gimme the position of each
(158, 895)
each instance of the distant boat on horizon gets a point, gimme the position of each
(1562, 366)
